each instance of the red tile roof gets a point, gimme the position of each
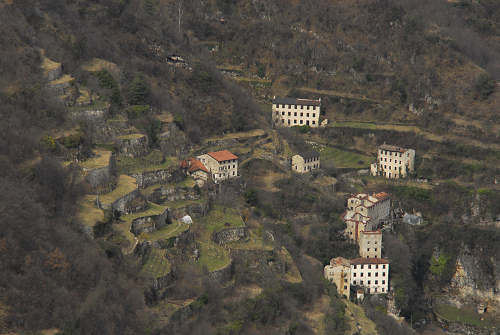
(192, 164)
(223, 155)
(361, 260)
(381, 195)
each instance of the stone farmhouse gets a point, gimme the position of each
(222, 165)
(393, 162)
(365, 212)
(289, 112)
(371, 274)
(193, 167)
(305, 162)
(370, 244)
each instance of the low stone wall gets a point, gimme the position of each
(133, 146)
(148, 178)
(129, 203)
(149, 224)
(229, 235)
(89, 115)
(101, 177)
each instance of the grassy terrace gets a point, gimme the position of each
(220, 218)
(101, 159)
(153, 209)
(125, 185)
(466, 315)
(172, 230)
(131, 136)
(98, 64)
(344, 95)
(253, 242)
(243, 134)
(96, 105)
(64, 79)
(48, 64)
(213, 256)
(183, 203)
(157, 265)
(343, 158)
(151, 162)
(88, 214)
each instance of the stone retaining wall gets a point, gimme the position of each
(148, 178)
(133, 146)
(149, 224)
(229, 235)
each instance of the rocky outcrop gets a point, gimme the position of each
(472, 283)
(148, 178)
(95, 115)
(101, 177)
(133, 145)
(229, 235)
(147, 224)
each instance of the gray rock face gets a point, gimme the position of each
(230, 235)
(53, 74)
(149, 224)
(222, 275)
(133, 146)
(148, 178)
(129, 203)
(89, 115)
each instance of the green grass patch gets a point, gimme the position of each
(126, 184)
(157, 265)
(466, 315)
(151, 162)
(101, 159)
(213, 256)
(253, 242)
(153, 209)
(343, 158)
(352, 124)
(172, 230)
(220, 218)
(130, 136)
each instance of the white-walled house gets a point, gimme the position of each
(289, 112)
(222, 165)
(393, 162)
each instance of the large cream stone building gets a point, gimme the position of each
(289, 112)
(365, 212)
(305, 162)
(370, 244)
(222, 165)
(393, 162)
(372, 274)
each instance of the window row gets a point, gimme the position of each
(390, 160)
(300, 122)
(369, 266)
(296, 114)
(369, 274)
(226, 167)
(295, 106)
(387, 152)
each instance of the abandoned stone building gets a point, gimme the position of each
(305, 161)
(222, 165)
(393, 162)
(371, 274)
(339, 272)
(370, 244)
(365, 213)
(289, 112)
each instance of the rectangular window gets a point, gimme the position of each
(345, 287)
(314, 122)
(361, 282)
(375, 249)
(369, 274)
(294, 121)
(369, 265)
(301, 114)
(354, 265)
(383, 289)
(345, 280)
(354, 274)
(314, 115)
(376, 282)
(376, 266)
(361, 266)
(376, 274)
(368, 249)
(383, 281)
(383, 274)
(369, 282)
(383, 266)
(295, 106)
(307, 114)
(307, 107)
(294, 113)
(283, 113)
(361, 274)
(289, 113)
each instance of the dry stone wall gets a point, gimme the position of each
(148, 178)
(148, 224)
(133, 146)
(230, 235)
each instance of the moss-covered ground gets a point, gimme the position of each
(220, 218)
(467, 315)
(172, 230)
(88, 214)
(213, 256)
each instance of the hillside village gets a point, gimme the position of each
(235, 198)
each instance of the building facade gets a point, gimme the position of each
(195, 168)
(370, 273)
(393, 162)
(305, 162)
(222, 165)
(339, 272)
(375, 207)
(289, 112)
(370, 244)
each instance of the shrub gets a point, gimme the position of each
(106, 80)
(138, 92)
(134, 112)
(484, 87)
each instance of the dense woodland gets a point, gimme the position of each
(394, 52)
